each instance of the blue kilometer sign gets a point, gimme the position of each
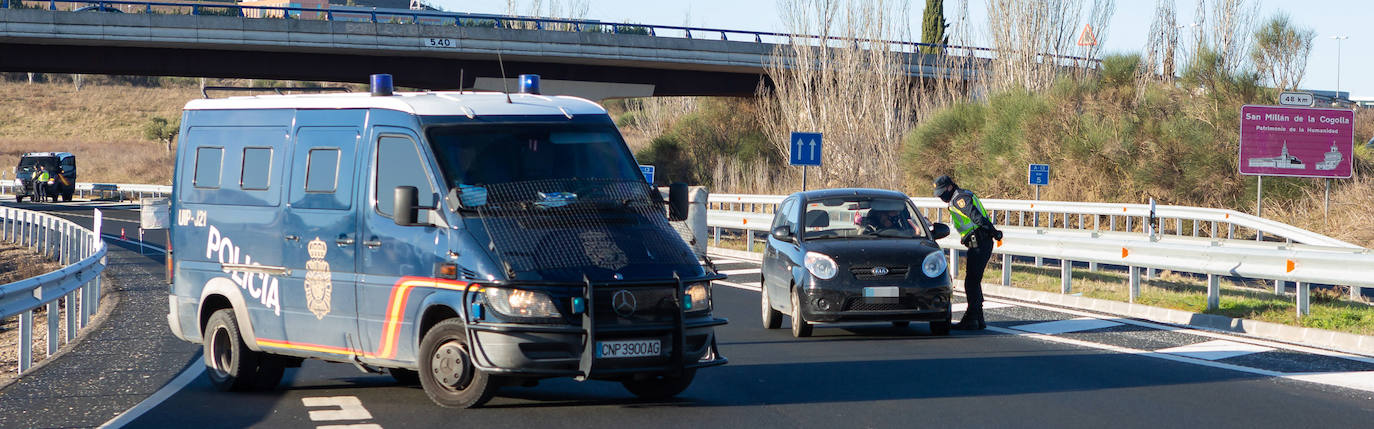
(805, 149)
(648, 171)
(1039, 174)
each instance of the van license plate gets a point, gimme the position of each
(880, 292)
(628, 349)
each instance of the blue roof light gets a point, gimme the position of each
(381, 85)
(529, 84)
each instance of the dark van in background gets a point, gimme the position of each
(61, 168)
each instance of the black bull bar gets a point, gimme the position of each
(586, 367)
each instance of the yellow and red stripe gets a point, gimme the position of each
(391, 329)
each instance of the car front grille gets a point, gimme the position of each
(865, 272)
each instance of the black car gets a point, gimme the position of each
(61, 168)
(847, 255)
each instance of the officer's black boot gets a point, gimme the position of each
(972, 321)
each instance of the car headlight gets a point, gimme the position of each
(934, 265)
(521, 303)
(699, 297)
(820, 265)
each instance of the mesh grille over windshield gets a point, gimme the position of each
(565, 226)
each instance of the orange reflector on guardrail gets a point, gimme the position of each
(1125, 253)
(744, 221)
(1291, 265)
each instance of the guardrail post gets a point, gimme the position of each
(717, 236)
(1214, 230)
(1006, 269)
(51, 320)
(1134, 284)
(954, 263)
(70, 317)
(1213, 291)
(1092, 267)
(1278, 287)
(1129, 220)
(25, 340)
(749, 240)
(1355, 293)
(1304, 289)
(1065, 276)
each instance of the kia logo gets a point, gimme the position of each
(879, 271)
(623, 302)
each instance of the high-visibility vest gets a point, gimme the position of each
(963, 223)
(43, 176)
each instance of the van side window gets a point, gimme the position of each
(257, 168)
(208, 162)
(399, 164)
(322, 170)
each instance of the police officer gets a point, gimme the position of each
(40, 183)
(977, 233)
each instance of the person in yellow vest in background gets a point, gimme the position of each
(978, 234)
(40, 183)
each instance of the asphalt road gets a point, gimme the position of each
(1014, 375)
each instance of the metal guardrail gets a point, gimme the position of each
(116, 191)
(498, 21)
(77, 284)
(1114, 234)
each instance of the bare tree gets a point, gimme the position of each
(1228, 30)
(1161, 48)
(1281, 50)
(1035, 40)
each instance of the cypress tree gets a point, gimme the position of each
(933, 26)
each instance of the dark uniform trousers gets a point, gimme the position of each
(978, 257)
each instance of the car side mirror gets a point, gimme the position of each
(782, 233)
(939, 230)
(677, 202)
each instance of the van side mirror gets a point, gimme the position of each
(404, 202)
(939, 230)
(677, 202)
(783, 233)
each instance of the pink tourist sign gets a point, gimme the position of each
(1296, 141)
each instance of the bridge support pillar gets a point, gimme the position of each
(1213, 291)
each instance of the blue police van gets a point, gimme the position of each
(460, 240)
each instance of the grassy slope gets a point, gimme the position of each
(102, 125)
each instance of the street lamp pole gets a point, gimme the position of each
(1338, 62)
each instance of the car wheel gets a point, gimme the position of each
(800, 327)
(772, 319)
(67, 197)
(446, 370)
(941, 327)
(901, 324)
(18, 198)
(232, 366)
(405, 377)
(662, 386)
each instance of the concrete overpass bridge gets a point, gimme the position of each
(424, 50)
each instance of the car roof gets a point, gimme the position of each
(846, 192)
(444, 103)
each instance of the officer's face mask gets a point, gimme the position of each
(946, 193)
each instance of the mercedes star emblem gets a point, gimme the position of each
(623, 302)
(879, 271)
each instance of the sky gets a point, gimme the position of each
(1127, 32)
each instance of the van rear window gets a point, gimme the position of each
(208, 163)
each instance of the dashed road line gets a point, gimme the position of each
(1216, 350)
(746, 286)
(1066, 326)
(741, 271)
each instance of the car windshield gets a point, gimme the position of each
(494, 154)
(47, 162)
(860, 217)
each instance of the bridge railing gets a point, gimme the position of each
(76, 284)
(398, 16)
(1213, 242)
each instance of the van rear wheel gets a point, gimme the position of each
(446, 370)
(661, 386)
(232, 366)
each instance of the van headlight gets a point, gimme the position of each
(520, 303)
(820, 265)
(934, 265)
(699, 297)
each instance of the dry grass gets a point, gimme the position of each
(1352, 212)
(102, 125)
(19, 263)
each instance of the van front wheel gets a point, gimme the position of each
(446, 370)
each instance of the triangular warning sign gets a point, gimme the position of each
(1087, 38)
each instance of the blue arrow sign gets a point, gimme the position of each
(805, 149)
(1038, 174)
(648, 171)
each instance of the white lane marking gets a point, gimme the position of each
(741, 271)
(963, 306)
(1361, 380)
(349, 408)
(171, 388)
(746, 286)
(357, 426)
(1063, 326)
(1215, 350)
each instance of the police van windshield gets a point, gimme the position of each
(47, 162)
(860, 217)
(494, 154)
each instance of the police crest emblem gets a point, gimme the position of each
(318, 283)
(602, 251)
